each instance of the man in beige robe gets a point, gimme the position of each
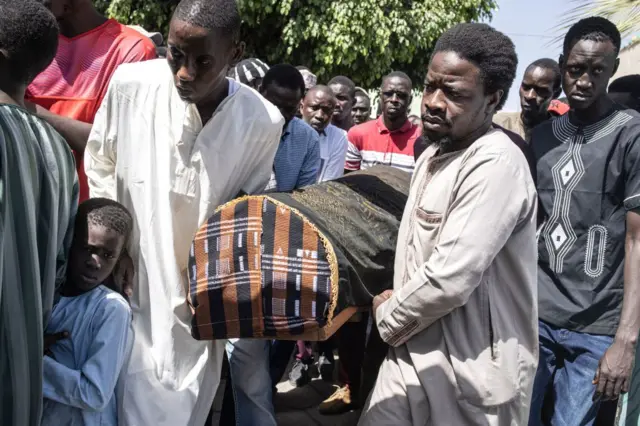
(462, 318)
(539, 90)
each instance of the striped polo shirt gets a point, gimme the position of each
(371, 143)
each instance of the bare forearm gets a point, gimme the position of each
(629, 326)
(75, 132)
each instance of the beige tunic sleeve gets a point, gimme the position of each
(491, 198)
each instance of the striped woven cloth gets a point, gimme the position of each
(258, 268)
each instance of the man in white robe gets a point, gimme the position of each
(172, 141)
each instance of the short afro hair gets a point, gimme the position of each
(286, 76)
(626, 91)
(551, 65)
(398, 74)
(221, 16)
(491, 51)
(627, 84)
(29, 36)
(595, 28)
(104, 212)
(344, 81)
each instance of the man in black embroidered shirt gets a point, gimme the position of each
(588, 167)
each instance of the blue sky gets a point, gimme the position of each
(531, 25)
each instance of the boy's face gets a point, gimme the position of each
(93, 256)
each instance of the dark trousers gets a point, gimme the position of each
(360, 359)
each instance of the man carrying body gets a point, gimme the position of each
(69, 92)
(38, 201)
(317, 109)
(589, 248)
(390, 138)
(345, 93)
(184, 154)
(461, 318)
(361, 110)
(540, 86)
(297, 161)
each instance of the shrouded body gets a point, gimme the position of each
(288, 265)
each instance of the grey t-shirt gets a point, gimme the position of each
(588, 178)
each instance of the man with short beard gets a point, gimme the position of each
(461, 318)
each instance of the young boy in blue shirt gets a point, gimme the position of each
(86, 338)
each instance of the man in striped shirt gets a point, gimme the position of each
(38, 199)
(390, 138)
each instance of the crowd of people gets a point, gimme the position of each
(516, 293)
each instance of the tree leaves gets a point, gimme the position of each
(362, 39)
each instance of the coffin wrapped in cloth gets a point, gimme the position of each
(296, 265)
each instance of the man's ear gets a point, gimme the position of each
(494, 100)
(238, 52)
(615, 67)
(561, 61)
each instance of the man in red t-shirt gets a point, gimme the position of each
(68, 93)
(389, 139)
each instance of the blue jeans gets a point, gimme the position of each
(567, 366)
(251, 381)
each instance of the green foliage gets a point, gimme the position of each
(362, 39)
(152, 15)
(624, 13)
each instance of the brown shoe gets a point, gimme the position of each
(340, 402)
